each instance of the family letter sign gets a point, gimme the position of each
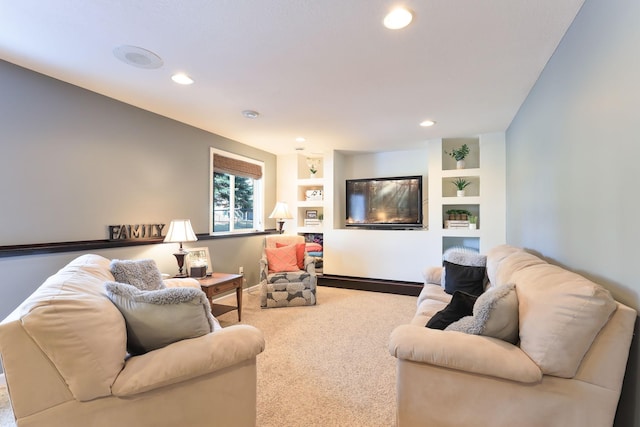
(135, 231)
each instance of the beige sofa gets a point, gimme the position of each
(64, 357)
(566, 370)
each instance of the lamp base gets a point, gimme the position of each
(180, 258)
(280, 226)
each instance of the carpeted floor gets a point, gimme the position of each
(6, 415)
(326, 365)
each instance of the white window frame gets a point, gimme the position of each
(258, 196)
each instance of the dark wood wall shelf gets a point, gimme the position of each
(84, 245)
(87, 245)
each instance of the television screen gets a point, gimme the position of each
(394, 202)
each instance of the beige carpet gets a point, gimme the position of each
(326, 365)
(6, 415)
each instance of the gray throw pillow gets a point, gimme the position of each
(143, 274)
(495, 314)
(158, 318)
(467, 257)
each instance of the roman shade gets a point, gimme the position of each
(236, 167)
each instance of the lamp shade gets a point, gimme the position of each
(180, 230)
(281, 211)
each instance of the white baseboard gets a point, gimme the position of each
(252, 289)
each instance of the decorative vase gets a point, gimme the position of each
(460, 164)
(460, 193)
(312, 174)
(472, 226)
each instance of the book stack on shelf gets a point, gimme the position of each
(312, 223)
(456, 224)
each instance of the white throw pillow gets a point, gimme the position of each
(143, 274)
(560, 314)
(495, 314)
(466, 257)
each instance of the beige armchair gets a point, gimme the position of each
(66, 364)
(286, 281)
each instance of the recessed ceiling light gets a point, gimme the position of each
(137, 57)
(398, 18)
(427, 123)
(300, 139)
(182, 79)
(250, 114)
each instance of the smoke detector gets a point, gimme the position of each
(138, 57)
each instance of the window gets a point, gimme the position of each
(236, 191)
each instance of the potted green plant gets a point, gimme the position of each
(459, 154)
(452, 213)
(464, 214)
(461, 184)
(473, 222)
(313, 164)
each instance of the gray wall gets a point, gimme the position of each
(73, 162)
(572, 161)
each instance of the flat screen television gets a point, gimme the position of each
(394, 202)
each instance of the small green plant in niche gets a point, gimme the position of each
(461, 183)
(458, 214)
(459, 153)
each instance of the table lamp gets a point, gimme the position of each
(281, 212)
(180, 230)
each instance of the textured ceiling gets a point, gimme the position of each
(326, 70)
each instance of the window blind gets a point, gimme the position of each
(236, 167)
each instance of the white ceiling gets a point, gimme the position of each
(323, 69)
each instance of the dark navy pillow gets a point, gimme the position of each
(463, 278)
(461, 305)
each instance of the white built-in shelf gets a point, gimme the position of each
(454, 173)
(471, 200)
(304, 184)
(485, 170)
(310, 182)
(309, 229)
(448, 232)
(310, 203)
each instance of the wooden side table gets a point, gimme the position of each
(218, 283)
